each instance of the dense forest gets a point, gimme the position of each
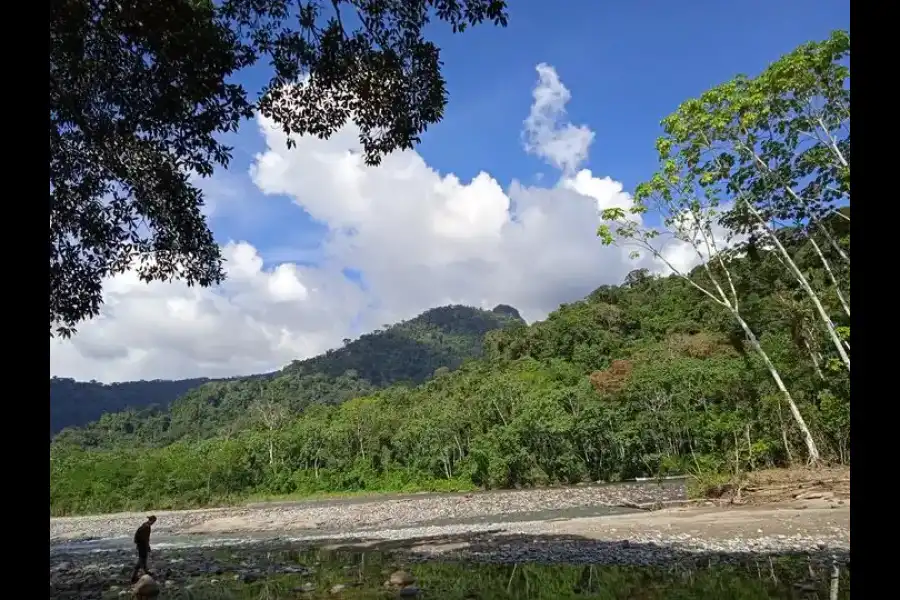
(143, 412)
(739, 363)
(74, 403)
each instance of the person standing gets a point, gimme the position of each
(142, 541)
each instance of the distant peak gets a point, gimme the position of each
(506, 309)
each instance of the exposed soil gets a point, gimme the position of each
(801, 487)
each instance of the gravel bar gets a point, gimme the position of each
(381, 513)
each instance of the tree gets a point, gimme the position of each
(778, 146)
(139, 91)
(270, 414)
(690, 214)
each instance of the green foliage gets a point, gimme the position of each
(529, 413)
(140, 91)
(657, 376)
(74, 403)
(411, 351)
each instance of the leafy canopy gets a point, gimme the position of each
(139, 91)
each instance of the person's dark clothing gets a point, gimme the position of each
(143, 551)
(142, 535)
(142, 541)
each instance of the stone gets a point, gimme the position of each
(402, 578)
(337, 588)
(249, 577)
(409, 591)
(146, 587)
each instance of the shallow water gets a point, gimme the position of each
(229, 573)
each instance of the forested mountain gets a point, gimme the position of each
(410, 351)
(74, 403)
(741, 362)
(649, 377)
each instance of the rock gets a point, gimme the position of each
(146, 587)
(249, 577)
(289, 569)
(337, 588)
(402, 578)
(409, 591)
(306, 588)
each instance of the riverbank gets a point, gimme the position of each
(351, 514)
(300, 549)
(735, 544)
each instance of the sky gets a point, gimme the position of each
(549, 121)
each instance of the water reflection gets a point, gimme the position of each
(255, 574)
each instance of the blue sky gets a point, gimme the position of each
(627, 64)
(423, 231)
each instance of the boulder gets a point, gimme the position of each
(402, 578)
(146, 587)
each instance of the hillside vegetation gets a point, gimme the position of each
(74, 403)
(738, 364)
(439, 339)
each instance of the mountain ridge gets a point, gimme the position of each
(410, 350)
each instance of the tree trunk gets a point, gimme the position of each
(801, 279)
(834, 281)
(835, 580)
(811, 447)
(784, 437)
(831, 241)
(815, 361)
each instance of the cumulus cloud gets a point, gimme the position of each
(423, 238)
(259, 319)
(420, 238)
(547, 133)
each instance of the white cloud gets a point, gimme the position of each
(420, 238)
(256, 321)
(547, 133)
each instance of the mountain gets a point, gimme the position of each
(410, 351)
(74, 403)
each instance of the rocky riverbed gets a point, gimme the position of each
(380, 513)
(281, 569)
(349, 547)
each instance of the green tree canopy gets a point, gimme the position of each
(140, 90)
